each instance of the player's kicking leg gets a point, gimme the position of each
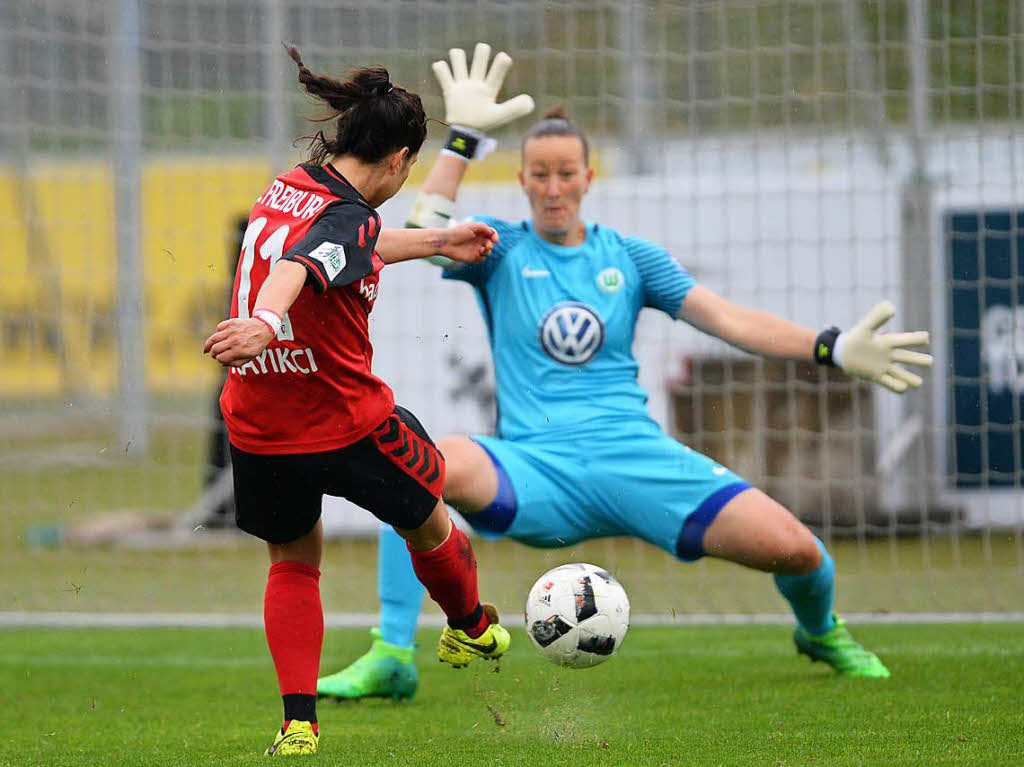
(753, 530)
(443, 560)
(387, 669)
(442, 556)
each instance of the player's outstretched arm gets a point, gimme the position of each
(467, 243)
(471, 109)
(860, 351)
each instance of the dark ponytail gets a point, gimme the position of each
(556, 122)
(374, 117)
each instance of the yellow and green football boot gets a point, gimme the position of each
(459, 649)
(841, 651)
(385, 671)
(298, 739)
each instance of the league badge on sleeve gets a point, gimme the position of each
(332, 256)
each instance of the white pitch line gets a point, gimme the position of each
(12, 619)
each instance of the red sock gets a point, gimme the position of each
(294, 621)
(449, 573)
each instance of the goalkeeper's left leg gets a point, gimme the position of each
(754, 530)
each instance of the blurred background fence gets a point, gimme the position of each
(805, 157)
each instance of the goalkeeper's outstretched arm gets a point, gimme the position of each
(859, 351)
(434, 207)
(471, 109)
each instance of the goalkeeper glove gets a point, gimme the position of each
(469, 100)
(863, 353)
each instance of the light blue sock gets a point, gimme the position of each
(401, 593)
(810, 594)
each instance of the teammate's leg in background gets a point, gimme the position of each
(387, 670)
(755, 531)
(293, 617)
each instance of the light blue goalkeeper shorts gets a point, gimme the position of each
(642, 484)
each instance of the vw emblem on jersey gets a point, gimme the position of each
(571, 333)
(610, 280)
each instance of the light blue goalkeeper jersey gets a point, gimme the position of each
(562, 322)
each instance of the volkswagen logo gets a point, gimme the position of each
(571, 333)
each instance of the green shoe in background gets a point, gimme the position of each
(841, 651)
(385, 671)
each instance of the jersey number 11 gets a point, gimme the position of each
(271, 248)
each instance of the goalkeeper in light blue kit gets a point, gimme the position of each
(577, 456)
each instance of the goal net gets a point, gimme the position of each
(805, 157)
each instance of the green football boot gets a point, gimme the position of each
(841, 651)
(385, 671)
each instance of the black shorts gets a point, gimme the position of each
(396, 473)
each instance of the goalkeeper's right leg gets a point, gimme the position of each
(387, 669)
(384, 671)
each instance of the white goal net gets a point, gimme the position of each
(806, 157)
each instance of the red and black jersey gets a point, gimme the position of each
(311, 389)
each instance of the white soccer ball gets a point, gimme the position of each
(577, 615)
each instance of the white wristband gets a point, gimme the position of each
(269, 316)
(837, 350)
(432, 211)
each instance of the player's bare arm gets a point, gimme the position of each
(237, 340)
(860, 351)
(468, 243)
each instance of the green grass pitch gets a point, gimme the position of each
(672, 696)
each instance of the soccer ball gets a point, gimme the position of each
(577, 615)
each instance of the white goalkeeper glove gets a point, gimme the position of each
(877, 357)
(470, 100)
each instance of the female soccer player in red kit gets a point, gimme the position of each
(305, 414)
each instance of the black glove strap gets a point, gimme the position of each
(824, 344)
(461, 143)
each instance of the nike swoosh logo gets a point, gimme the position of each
(289, 736)
(277, 745)
(482, 648)
(529, 273)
